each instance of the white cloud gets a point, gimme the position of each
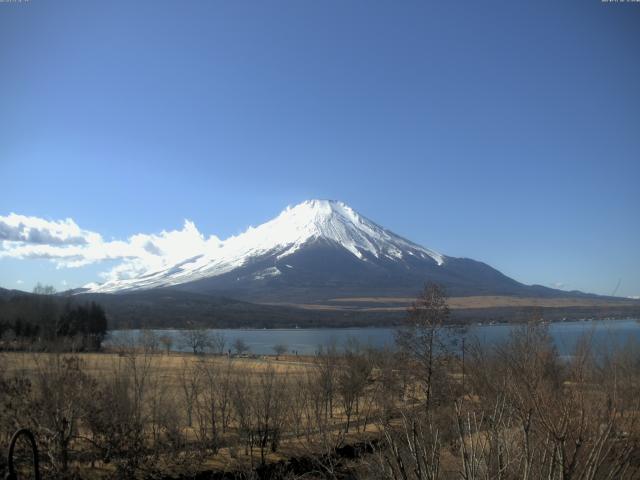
(634, 297)
(34, 230)
(19, 282)
(559, 285)
(68, 246)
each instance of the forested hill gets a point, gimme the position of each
(45, 318)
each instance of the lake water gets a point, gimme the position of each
(604, 333)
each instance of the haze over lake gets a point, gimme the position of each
(604, 333)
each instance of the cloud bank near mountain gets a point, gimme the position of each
(68, 245)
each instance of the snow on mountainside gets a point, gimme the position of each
(328, 222)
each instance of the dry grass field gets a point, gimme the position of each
(397, 304)
(186, 385)
(490, 301)
(171, 365)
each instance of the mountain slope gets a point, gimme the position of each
(319, 250)
(296, 228)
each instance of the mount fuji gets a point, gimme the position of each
(317, 251)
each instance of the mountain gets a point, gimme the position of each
(320, 250)
(6, 294)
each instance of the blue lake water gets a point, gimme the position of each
(603, 333)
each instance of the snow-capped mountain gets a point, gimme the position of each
(314, 251)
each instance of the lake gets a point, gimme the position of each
(605, 333)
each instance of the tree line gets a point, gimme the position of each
(43, 318)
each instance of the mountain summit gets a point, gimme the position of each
(318, 250)
(334, 222)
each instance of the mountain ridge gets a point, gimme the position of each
(282, 236)
(322, 249)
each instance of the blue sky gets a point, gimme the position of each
(504, 131)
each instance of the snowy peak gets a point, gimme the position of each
(336, 222)
(320, 213)
(294, 228)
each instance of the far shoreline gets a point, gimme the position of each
(635, 315)
(379, 327)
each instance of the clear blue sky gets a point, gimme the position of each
(504, 131)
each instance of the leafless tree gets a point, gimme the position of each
(197, 340)
(243, 410)
(117, 418)
(224, 394)
(538, 416)
(240, 346)
(390, 385)
(411, 448)
(213, 402)
(421, 336)
(60, 388)
(280, 349)
(269, 410)
(190, 384)
(217, 343)
(167, 342)
(149, 341)
(327, 361)
(352, 380)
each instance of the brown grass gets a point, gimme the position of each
(171, 365)
(401, 303)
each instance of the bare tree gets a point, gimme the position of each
(213, 403)
(269, 410)
(197, 340)
(352, 380)
(60, 387)
(240, 346)
(149, 340)
(190, 386)
(118, 414)
(327, 362)
(537, 416)
(411, 448)
(217, 342)
(243, 409)
(40, 289)
(421, 336)
(280, 349)
(224, 394)
(390, 385)
(167, 342)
